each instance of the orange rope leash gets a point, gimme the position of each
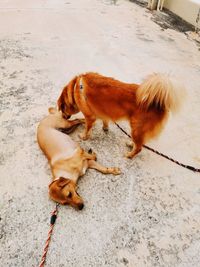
(52, 223)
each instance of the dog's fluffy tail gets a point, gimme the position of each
(158, 90)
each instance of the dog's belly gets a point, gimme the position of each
(54, 143)
(111, 110)
(64, 155)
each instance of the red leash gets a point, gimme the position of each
(52, 223)
(161, 154)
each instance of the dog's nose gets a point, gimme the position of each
(80, 206)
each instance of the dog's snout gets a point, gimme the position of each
(81, 206)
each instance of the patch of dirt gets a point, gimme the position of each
(168, 20)
(12, 49)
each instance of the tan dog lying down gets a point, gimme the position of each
(67, 159)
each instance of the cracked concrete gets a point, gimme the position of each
(150, 214)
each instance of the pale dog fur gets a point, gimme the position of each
(169, 93)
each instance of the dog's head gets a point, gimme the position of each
(66, 102)
(64, 192)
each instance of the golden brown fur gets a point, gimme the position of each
(145, 106)
(67, 159)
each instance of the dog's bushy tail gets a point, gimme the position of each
(158, 90)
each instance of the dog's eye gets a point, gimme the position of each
(69, 195)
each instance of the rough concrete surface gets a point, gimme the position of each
(150, 214)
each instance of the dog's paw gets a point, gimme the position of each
(129, 143)
(94, 156)
(105, 129)
(115, 171)
(129, 155)
(132, 153)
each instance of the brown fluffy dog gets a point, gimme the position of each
(145, 106)
(67, 159)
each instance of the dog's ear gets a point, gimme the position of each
(62, 182)
(67, 96)
(52, 110)
(70, 91)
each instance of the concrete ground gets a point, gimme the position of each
(150, 214)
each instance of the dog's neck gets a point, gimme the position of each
(66, 175)
(57, 178)
(62, 156)
(74, 175)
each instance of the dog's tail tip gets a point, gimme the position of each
(162, 91)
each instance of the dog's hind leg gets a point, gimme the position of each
(130, 143)
(95, 165)
(137, 137)
(90, 156)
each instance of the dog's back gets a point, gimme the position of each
(109, 98)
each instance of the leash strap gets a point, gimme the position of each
(52, 223)
(161, 154)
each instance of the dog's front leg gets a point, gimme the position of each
(75, 122)
(137, 147)
(89, 121)
(65, 124)
(95, 165)
(67, 127)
